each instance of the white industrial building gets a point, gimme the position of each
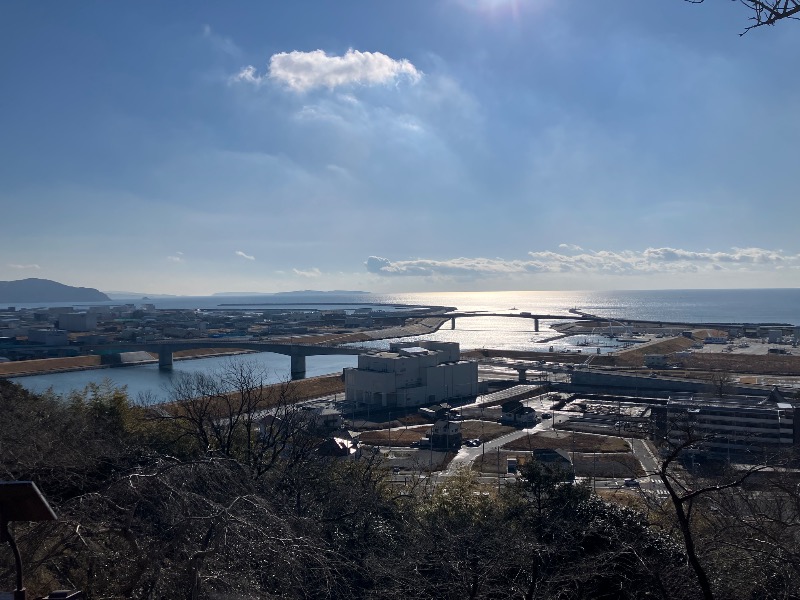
(411, 374)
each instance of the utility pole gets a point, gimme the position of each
(498, 469)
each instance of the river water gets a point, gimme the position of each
(722, 306)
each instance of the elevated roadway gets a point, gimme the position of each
(166, 348)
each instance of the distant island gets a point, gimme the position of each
(121, 295)
(45, 290)
(294, 293)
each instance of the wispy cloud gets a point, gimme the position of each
(303, 71)
(243, 255)
(313, 272)
(176, 258)
(650, 260)
(22, 267)
(221, 43)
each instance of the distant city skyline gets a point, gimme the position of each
(450, 145)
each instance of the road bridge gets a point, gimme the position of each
(536, 318)
(166, 348)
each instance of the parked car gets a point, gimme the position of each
(546, 415)
(473, 443)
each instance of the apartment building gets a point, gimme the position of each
(742, 428)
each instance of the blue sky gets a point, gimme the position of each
(423, 145)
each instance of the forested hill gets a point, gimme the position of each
(45, 290)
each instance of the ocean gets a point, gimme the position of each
(691, 306)
(724, 306)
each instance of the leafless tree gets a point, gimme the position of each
(767, 12)
(687, 490)
(722, 383)
(234, 413)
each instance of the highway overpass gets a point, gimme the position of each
(166, 348)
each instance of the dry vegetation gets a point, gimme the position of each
(607, 465)
(634, 356)
(314, 387)
(48, 365)
(578, 442)
(395, 437)
(772, 364)
(484, 430)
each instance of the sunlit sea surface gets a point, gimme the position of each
(692, 306)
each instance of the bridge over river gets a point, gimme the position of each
(523, 315)
(165, 350)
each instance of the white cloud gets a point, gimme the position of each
(449, 267)
(573, 247)
(303, 71)
(313, 272)
(176, 258)
(22, 267)
(248, 74)
(626, 262)
(243, 255)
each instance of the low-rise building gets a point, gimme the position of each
(81, 321)
(445, 435)
(48, 337)
(516, 413)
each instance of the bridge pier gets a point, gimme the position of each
(164, 357)
(298, 366)
(453, 323)
(523, 374)
(536, 325)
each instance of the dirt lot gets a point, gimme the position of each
(773, 364)
(485, 430)
(579, 442)
(695, 366)
(395, 437)
(634, 356)
(607, 465)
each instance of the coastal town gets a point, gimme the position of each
(429, 407)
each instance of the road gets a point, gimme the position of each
(466, 455)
